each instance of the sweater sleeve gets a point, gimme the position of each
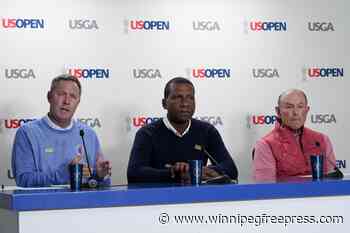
(264, 164)
(217, 149)
(25, 164)
(139, 167)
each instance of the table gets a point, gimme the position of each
(294, 206)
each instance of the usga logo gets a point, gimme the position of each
(323, 118)
(146, 73)
(265, 73)
(214, 120)
(320, 26)
(92, 122)
(83, 24)
(205, 26)
(19, 73)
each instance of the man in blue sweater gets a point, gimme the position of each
(161, 149)
(44, 148)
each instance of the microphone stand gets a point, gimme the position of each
(223, 178)
(92, 182)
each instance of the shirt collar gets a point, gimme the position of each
(171, 128)
(57, 127)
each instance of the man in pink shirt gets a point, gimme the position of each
(286, 150)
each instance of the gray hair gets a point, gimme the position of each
(65, 77)
(288, 92)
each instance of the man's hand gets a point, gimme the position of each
(180, 170)
(103, 168)
(76, 159)
(208, 173)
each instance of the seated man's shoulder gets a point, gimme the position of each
(314, 131)
(319, 135)
(152, 127)
(201, 124)
(264, 141)
(31, 125)
(82, 126)
(261, 142)
(271, 133)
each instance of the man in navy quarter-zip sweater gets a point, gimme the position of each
(161, 150)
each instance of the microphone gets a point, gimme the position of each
(223, 178)
(92, 183)
(337, 174)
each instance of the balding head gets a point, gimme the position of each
(291, 91)
(292, 108)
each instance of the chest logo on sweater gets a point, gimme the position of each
(49, 150)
